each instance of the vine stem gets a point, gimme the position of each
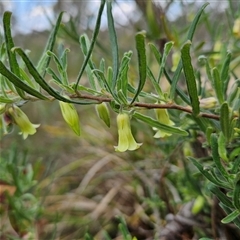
(149, 105)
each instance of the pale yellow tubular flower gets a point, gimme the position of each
(236, 28)
(21, 119)
(126, 140)
(70, 116)
(162, 117)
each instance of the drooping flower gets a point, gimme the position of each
(126, 140)
(162, 117)
(236, 28)
(21, 119)
(70, 116)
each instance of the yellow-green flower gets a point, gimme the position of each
(162, 117)
(70, 116)
(103, 113)
(21, 119)
(126, 140)
(236, 28)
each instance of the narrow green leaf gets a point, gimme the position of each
(179, 91)
(154, 82)
(142, 62)
(195, 21)
(225, 120)
(44, 59)
(234, 93)
(109, 75)
(236, 194)
(19, 83)
(224, 76)
(229, 218)
(102, 78)
(153, 123)
(26, 78)
(218, 85)
(216, 157)
(156, 52)
(206, 173)
(167, 48)
(222, 147)
(190, 78)
(114, 44)
(40, 80)
(122, 81)
(146, 95)
(190, 34)
(220, 195)
(10, 44)
(94, 38)
(122, 98)
(236, 165)
(14, 67)
(54, 75)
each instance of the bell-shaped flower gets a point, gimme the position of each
(126, 140)
(162, 117)
(70, 116)
(21, 119)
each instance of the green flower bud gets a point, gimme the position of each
(198, 204)
(126, 140)
(103, 113)
(21, 119)
(208, 103)
(70, 116)
(162, 117)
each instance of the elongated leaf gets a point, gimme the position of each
(179, 91)
(207, 174)
(154, 82)
(218, 85)
(222, 151)
(225, 71)
(142, 62)
(94, 38)
(102, 78)
(229, 218)
(216, 157)
(114, 44)
(190, 78)
(84, 43)
(14, 67)
(45, 59)
(19, 83)
(236, 195)
(153, 123)
(40, 80)
(225, 120)
(156, 52)
(221, 196)
(122, 81)
(167, 48)
(190, 34)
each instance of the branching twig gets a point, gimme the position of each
(149, 105)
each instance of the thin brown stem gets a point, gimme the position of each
(149, 105)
